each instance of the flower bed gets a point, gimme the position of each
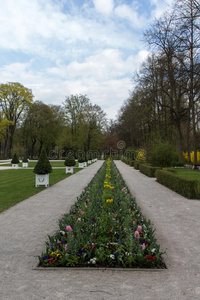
(104, 228)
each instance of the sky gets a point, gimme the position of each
(59, 48)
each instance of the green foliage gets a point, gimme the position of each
(163, 154)
(41, 127)
(137, 165)
(148, 170)
(15, 159)
(43, 165)
(183, 186)
(14, 99)
(131, 163)
(86, 121)
(70, 162)
(81, 159)
(25, 159)
(4, 125)
(125, 159)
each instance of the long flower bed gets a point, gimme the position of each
(104, 228)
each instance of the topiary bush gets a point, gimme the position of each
(25, 159)
(15, 159)
(70, 162)
(43, 165)
(163, 155)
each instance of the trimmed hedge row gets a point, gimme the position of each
(148, 170)
(137, 165)
(185, 187)
(128, 161)
(131, 163)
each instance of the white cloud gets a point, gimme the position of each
(127, 12)
(104, 6)
(160, 7)
(103, 64)
(89, 47)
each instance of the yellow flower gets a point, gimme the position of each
(109, 200)
(106, 185)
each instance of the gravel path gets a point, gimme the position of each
(24, 230)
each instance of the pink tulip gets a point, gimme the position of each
(139, 228)
(79, 219)
(137, 235)
(143, 246)
(68, 228)
(65, 247)
(88, 200)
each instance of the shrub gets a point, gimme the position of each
(163, 155)
(69, 161)
(25, 159)
(43, 165)
(125, 159)
(148, 170)
(137, 165)
(81, 160)
(141, 155)
(185, 187)
(131, 163)
(15, 159)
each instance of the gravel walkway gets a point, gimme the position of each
(24, 230)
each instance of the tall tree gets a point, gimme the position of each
(14, 99)
(41, 126)
(188, 21)
(87, 122)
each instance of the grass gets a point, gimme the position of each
(188, 173)
(17, 185)
(32, 164)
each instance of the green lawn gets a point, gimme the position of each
(33, 163)
(17, 185)
(188, 173)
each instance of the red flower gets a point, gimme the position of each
(150, 258)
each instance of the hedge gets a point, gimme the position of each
(125, 160)
(185, 187)
(148, 170)
(131, 163)
(137, 164)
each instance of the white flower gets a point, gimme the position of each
(153, 250)
(92, 261)
(112, 256)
